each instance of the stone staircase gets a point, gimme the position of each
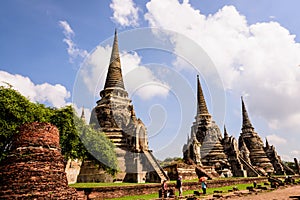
(206, 171)
(249, 168)
(138, 163)
(90, 172)
(117, 137)
(159, 170)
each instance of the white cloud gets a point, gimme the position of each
(142, 82)
(125, 12)
(276, 140)
(138, 79)
(73, 51)
(67, 28)
(56, 95)
(259, 59)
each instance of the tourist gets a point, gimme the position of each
(179, 185)
(254, 184)
(203, 185)
(164, 188)
(202, 180)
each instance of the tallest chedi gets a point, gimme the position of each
(115, 116)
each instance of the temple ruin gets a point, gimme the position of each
(115, 116)
(34, 167)
(225, 155)
(205, 145)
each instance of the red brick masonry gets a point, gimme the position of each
(34, 168)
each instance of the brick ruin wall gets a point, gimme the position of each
(34, 168)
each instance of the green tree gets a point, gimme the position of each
(15, 110)
(98, 146)
(77, 140)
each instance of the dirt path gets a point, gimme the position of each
(279, 194)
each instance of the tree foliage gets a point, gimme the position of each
(77, 140)
(169, 161)
(97, 145)
(15, 110)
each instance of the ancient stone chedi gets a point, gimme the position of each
(250, 140)
(34, 167)
(115, 116)
(263, 158)
(247, 157)
(204, 146)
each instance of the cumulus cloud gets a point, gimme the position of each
(73, 51)
(260, 60)
(125, 12)
(55, 95)
(138, 79)
(142, 82)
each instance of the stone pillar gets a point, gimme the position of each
(297, 166)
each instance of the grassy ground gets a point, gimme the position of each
(155, 195)
(185, 193)
(95, 185)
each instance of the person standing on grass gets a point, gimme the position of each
(179, 185)
(164, 188)
(203, 185)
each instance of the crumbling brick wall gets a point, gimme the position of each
(34, 168)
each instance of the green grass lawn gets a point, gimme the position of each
(95, 185)
(185, 193)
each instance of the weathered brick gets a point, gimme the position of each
(34, 168)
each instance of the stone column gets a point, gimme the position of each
(297, 166)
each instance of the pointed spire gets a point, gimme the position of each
(225, 132)
(201, 104)
(82, 114)
(246, 120)
(114, 76)
(267, 144)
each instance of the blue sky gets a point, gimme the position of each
(56, 52)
